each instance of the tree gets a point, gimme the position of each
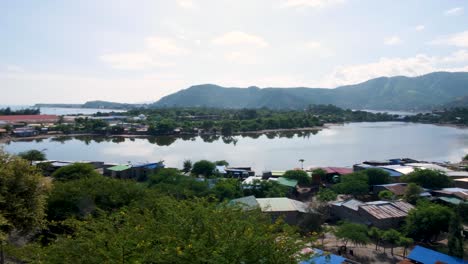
(74, 172)
(356, 233)
(427, 220)
(326, 195)
(203, 167)
(32, 155)
(22, 196)
(166, 230)
(405, 242)
(301, 176)
(354, 183)
(221, 163)
(430, 179)
(265, 189)
(412, 193)
(386, 195)
(377, 176)
(187, 166)
(227, 189)
(376, 235)
(392, 237)
(455, 239)
(89, 195)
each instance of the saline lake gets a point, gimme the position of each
(338, 145)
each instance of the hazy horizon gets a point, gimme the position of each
(132, 52)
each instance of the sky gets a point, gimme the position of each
(140, 50)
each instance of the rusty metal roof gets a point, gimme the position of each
(387, 210)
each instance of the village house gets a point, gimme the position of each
(381, 214)
(424, 255)
(291, 210)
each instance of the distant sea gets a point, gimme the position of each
(63, 111)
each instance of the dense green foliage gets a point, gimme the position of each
(430, 179)
(266, 189)
(427, 221)
(385, 195)
(455, 238)
(203, 167)
(412, 193)
(32, 155)
(165, 230)
(326, 195)
(27, 111)
(454, 116)
(74, 172)
(352, 232)
(354, 183)
(22, 194)
(377, 176)
(422, 92)
(301, 176)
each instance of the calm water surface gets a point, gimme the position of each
(340, 145)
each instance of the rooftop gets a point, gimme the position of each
(281, 205)
(429, 256)
(383, 210)
(248, 202)
(287, 182)
(19, 118)
(120, 168)
(321, 257)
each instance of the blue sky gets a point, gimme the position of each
(138, 50)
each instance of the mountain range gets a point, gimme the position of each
(433, 90)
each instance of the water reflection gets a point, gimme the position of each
(169, 140)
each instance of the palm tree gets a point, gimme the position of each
(302, 163)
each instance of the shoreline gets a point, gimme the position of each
(8, 139)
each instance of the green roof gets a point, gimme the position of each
(287, 182)
(451, 200)
(120, 168)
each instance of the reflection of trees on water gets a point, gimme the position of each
(162, 140)
(169, 140)
(229, 140)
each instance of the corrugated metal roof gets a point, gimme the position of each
(287, 182)
(351, 204)
(120, 168)
(428, 166)
(429, 256)
(457, 173)
(399, 168)
(248, 202)
(281, 205)
(385, 210)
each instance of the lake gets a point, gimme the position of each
(63, 110)
(338, 145)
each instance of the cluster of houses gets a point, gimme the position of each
(137, 171)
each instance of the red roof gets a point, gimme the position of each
(337, 170)
(29, 118)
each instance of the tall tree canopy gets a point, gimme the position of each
(431, 179)
(301, 176)
(75, 172)
(427, 220)
(172, 231)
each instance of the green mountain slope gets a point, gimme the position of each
(394, 93)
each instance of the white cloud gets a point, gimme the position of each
(241, 57)
(188, 4)
(311, 3)
(14, 68)
(458, 39)
(234, 38)
(164, 46)
(411, 66)
(456, 11)
(419, 27)
(156, 53)
(318, 49)
(392, 40)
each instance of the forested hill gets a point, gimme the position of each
(395, 93)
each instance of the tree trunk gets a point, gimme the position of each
(391, 250)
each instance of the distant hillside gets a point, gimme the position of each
(93, 104)
(459, 102)
(394, 93)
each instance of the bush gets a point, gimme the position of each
(301, 176)
(75, 171)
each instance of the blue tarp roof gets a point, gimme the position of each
(149, 165)
(324, 258)
(429, 256)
